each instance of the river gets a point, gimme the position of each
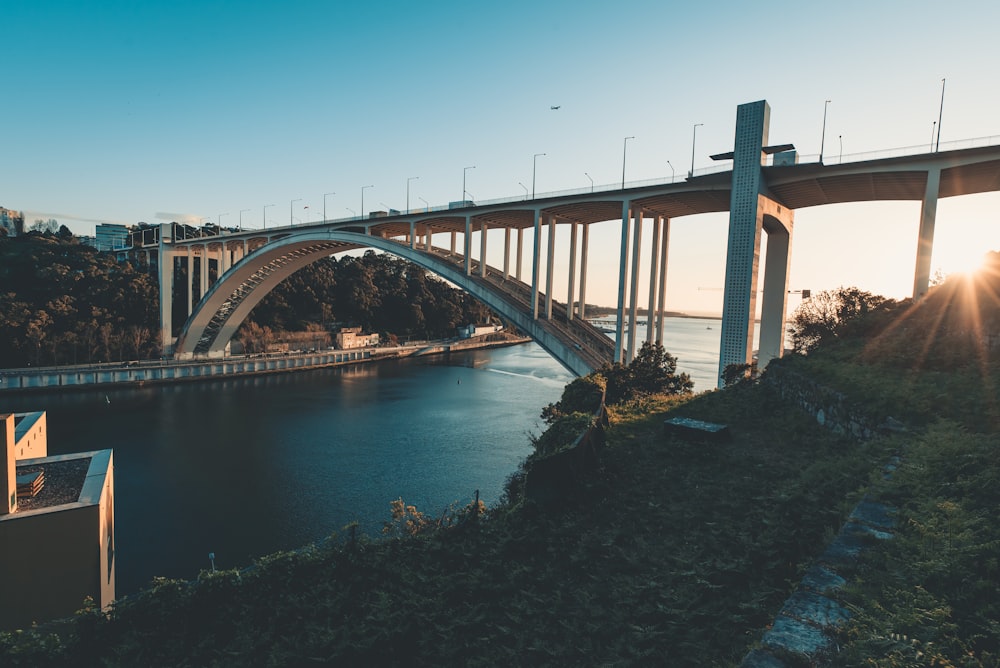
(244, 467)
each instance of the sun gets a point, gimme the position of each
(966, 261)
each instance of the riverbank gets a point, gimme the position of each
(138, 373)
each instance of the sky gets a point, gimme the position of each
(129, 111)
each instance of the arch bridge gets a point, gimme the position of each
(761, 190)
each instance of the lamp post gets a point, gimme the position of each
(822, 139)
(464, 171)
(624, 151)
(220, 220)
(353, 212)
(841, 158)
(324, 204)
(363, 199)
(937, 144)
(525, 190)
(291, 217)
(673, 172)
(241, 218)
(265, 214)
(427, 204)
(694, 136)
(591, 181)
(534, 167)
(412, 178)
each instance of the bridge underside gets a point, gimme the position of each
(575, 343)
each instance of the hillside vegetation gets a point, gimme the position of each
(645, 549)
(62, 302)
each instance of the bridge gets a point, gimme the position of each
(762, 189)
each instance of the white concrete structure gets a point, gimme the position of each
(761, 197)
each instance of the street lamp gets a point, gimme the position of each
(525, 190)
(291, 217)
(363, 199)
(534, 165)
(412, 178)
(241, 218)
(822, 139)
(464, 171)
(265, 214)
(220, 220)
(624, 150)
(673, 172)
(591, 181)
(427, 205)
(353, 212)
(841, 158)
(324, 204)
(937, 144)
(694, 135)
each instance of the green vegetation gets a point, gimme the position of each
(376, 291)
(661, 548)
(64, 303)
(658, 550)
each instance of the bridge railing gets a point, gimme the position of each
(919, 149)
(723, 166)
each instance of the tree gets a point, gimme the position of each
(581, 395)
(826, 315)
(50, 225)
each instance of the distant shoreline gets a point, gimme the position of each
(605, 311)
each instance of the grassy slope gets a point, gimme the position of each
(672, 551)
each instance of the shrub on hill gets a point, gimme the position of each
(834, 314)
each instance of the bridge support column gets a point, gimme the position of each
(622, 286)
(454, 236)
(520, 250)
(925, 240)
(654, 268)
(428, 238)
(166, 271)
(664, 252)
(536, 260)
(549, 265)
(775, 296)
(204, 269)
(572, 270)
(506, 253)
(752, 211)
(467, 242)
(634, 296)
(583, 270)
(482, 250)
(190, 280)
(413, 235)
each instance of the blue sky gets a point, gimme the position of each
(151, 111)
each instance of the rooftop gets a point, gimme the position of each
(63, 482)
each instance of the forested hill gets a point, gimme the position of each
(376, 291)
(62, 302)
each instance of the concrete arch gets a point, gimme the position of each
(220, 313)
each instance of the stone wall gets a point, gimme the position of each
(832, 409)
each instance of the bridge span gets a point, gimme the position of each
(762, 190)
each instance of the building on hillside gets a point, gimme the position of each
(57, 525)
(12, 221)
(111, 237)
(351, 337)
(469, 331)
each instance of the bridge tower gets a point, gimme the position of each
(751, 211)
